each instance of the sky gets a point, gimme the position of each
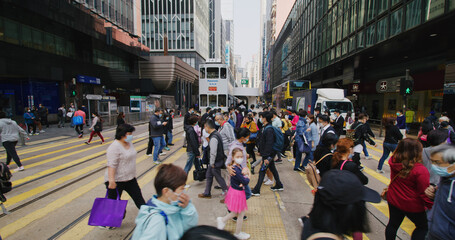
(246, 28)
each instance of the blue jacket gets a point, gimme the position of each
(401, 122)
(29, 117)
(150, 224)
(313, 135)
(441, 218)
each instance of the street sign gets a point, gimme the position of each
(244, 81)
(88, 79)
(93, 97)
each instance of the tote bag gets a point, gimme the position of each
(107, 212)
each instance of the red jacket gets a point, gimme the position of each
(408, 194)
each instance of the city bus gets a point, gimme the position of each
(282, 94)
(216, 86)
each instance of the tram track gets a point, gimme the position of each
(27, 203)
(85, 214)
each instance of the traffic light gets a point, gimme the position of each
(406, 87)
(73, 92)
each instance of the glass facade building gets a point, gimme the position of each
(319, 33)
(185, 23)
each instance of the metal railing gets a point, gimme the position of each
(132, 117)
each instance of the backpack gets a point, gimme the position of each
(5, 177)
(279, 139)
(351, 133)
(98, 126)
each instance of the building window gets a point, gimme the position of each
(434, 9)
(382, 6)
(371, 9)
(395, 22)
(353, 17)
(382, 29)
(338, 51)
(393, 2)
(361, 18)
(212, 100)
(222, 100)
(352, 44)
(11, 32)
(413, 14)
(360, 39)
(202, 73)
(223, 73)
(344, 49)
(371, 30)
(451, 5)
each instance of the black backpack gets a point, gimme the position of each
(5, 177)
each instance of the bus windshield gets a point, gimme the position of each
(299, 85)
(344, 107)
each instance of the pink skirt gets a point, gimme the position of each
(236, 200)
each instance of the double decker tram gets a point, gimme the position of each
(216, 86)
(282, 94)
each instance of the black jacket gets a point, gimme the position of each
(354, 168)
(361, 134)
(185, 119)
(392, 135)
(330, 129)
(220, 156)
(266, 141)
(192, 141)
(326, 163)
(338, 126)
(170, 122)
(156, 126)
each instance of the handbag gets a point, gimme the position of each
(312, 172)
(384, 192)
(77, 120)
(199, 175)
(303, 145)
(108, 212)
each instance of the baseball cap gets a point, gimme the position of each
(340, 187)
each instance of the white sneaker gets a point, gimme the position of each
(187, 186)
(163, 153)
(266, 179)
(219, 223)
(368, 158)
(19, 169)
(269, 182)
(291, 159)
(150, 155)
(42, 131)
(242, 236)
(157, 162)
(379, 171)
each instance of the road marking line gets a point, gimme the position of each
(56, 151)
(23, 196)
(406, 225)
(68, 164)
(280, 203)
(46, 140)
(81, 229)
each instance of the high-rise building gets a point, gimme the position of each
(184, 23)
(366, 46)
(47, 46)
(227, 13)
(217, 41)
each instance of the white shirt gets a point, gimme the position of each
(205, 135)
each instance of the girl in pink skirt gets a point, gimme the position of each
(235, 198)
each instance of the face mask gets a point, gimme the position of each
(160, 115)
(239, 160)
(398, 114)
(441, 171)
(213, 115)
(260, 120)
(29, 111)
(174, 203)
(129, 138)
(192, 111)
(217, 123)
(350, 156)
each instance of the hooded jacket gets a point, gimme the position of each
(10, 131)
(441, 219)
(150, 224)
(408, 194)
(192, 140)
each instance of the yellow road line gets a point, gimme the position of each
(23, 196)
(56, 151)
(46, 140)
(280, 203)
(68, 164)
(82, 228)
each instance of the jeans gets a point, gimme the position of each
(211, 173)
(131, 187)
(169, 137)
(159, 144)
(365, 149)
(271, 166)
(396, 218)
(192, 160)
(61, 121)
(11, 153)
(298, 158)
(79, 129)
(308, 157)
(247, 192)
(388, 148)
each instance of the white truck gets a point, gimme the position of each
(325, 99)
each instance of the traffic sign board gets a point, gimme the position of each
(244, 82)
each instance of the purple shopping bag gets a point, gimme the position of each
(107, 212)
